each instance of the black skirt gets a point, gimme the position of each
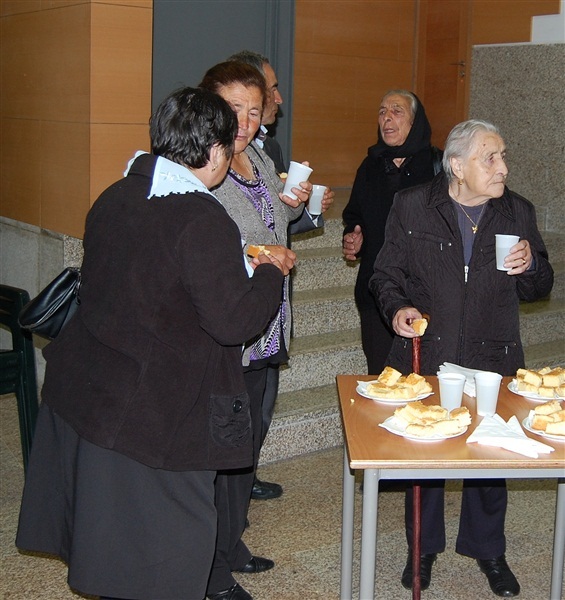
(126, 530)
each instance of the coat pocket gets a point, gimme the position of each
(230, 420)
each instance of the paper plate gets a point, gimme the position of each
(361, 389)
(398, 427)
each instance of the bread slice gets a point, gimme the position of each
(417, 383)
(558, 416)
(556, 428)
(544, 370)
(547, 408)
(524, 386)
(254, 251)
(554, 378)
(560, 391)
(546, 391)
(389, 376)
(461, 415)
(420, 326)
(520, 373)
(419, 430)
(533, 378)
(540, 422)
(447, 427)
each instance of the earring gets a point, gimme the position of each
(214, 168)
(460, 182)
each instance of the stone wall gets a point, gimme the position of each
(521, 89)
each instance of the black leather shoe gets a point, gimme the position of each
(257, 564)
(500, 578)
(236, 592)
(426, 562)
(263, 490)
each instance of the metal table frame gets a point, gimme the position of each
(371, 478)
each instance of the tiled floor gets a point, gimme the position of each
(301, 532)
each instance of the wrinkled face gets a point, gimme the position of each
(395, 119)
(247, 103)
(484, 170)
(274, 97)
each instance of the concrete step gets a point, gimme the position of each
(316, 359)
(542, 321)
(324, 310)
(318, 268)
(305, 421)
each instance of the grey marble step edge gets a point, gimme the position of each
(308, 420)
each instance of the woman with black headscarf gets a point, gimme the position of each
(402, 157)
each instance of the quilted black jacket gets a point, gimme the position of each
(474, 318)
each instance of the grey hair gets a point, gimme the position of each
(405, 94)
(460, 142)
(250, 58)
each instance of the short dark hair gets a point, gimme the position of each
(251, 58)
(188, 122)
(230, 72)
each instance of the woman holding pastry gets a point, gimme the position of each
(252, 196)
(439, 258)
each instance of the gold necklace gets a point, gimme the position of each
(475, 226)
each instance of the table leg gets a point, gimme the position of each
(369, 534)
(558, 543)
(416, 539)
(347, 529)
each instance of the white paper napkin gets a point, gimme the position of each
(494, 431)
(469, 389)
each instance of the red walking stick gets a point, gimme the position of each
(416, 489)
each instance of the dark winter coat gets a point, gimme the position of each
(475, 323)
(151, 364)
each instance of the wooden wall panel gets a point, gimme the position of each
(121, 64)
(347, 55)
(20, 197)
(65, 167)
(507, 21)
(76, 100)
(111, 147)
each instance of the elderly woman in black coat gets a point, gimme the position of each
(144, 397)
(439, 258)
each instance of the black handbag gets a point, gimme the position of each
(52, 308)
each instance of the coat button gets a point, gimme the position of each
(237, 406)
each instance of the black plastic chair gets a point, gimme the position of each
(17, 365)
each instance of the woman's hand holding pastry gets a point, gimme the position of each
(401, 323)
(281, 256)
(520, 258)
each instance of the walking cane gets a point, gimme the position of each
(416, 489)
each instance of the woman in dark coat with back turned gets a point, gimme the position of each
(439, 258)
(144, 397)
(403, 157)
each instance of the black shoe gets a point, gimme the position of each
(236, 592)
(263, 490)
(426, 562)
(257, 564)
(500, 578)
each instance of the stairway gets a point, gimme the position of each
(327, 340)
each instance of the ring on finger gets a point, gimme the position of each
(524, 261)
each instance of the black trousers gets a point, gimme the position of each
(233, 492)
(376, 338)
(481, 521)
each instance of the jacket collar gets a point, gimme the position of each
(439, 195)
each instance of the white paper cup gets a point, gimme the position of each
(487, 386)
(315, 202)
(451, 387)
(297, 173)
(503, 245)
